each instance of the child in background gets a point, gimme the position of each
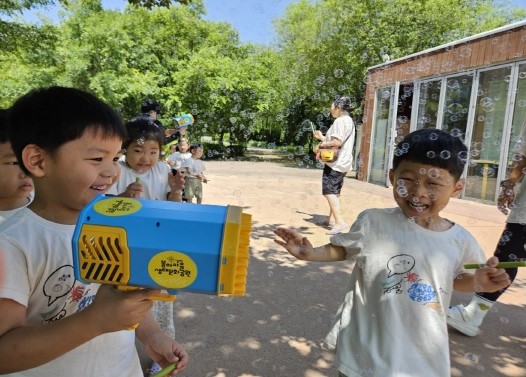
(181, 154)
(16, 188)
(392, 321)
(143, 175)
(52, 324)
(194, 169)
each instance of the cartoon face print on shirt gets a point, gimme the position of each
(400, 272)
(58, 285)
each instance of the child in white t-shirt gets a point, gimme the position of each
(52, 324)
(178, 157)
(194, 172)
(392, 320)
(16, 188)
(144, 176)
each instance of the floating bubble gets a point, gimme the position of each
(431, 154)
(231, 318)
(402, 119)
(141, 140)
(463, 156)
(338, 73)
(433, 173)
(472, 357)
(487, 104)
(402, 191)
(445, 154)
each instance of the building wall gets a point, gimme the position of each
(503, 45)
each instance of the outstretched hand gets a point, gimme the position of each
(490, 278)
(297, 245)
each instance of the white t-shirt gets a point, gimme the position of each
(40, 276)
(194, 166)
(178, 158)
(155, 181)
(518, 213)
(342, 128)
(4, 215)
(392, 320)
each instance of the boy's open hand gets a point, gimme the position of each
(491, 279)
(295, 243)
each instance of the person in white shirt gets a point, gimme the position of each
(180, 155)
(52, 324)
(16, 188)
(409, 259)
(143, 175)
(194, 173)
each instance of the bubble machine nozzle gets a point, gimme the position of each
(165, 245)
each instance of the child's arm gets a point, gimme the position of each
(23, 347)
(161, 348)
(486, 279)
(301, 248)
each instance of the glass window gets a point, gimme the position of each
(428, 104)
(379, 147)
(486, 139)
(456, 104)
(519, 112)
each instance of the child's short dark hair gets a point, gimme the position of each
(3, 126)
(50, 117)
(143, 128)
(433, 147)
(194, 146)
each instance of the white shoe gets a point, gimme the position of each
(458, 318)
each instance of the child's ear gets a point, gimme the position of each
(391, 176)
(459, 186)
(33, 158)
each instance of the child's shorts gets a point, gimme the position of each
(193, 188)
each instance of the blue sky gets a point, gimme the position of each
(252, 18)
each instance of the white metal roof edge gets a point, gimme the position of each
(454, 43)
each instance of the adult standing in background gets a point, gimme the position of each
(341, 134)
(150, 108)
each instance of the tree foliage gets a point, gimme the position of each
(166, 50)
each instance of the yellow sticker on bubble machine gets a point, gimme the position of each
(117, 206)
(172, 269)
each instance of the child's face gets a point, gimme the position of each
(183, 146)
(14, 184)
(142, 156)
(197, 153)
(173, 148)
(422, 191)
(70, 178)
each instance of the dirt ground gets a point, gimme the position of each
(276, 329)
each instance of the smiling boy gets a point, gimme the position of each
(409, 259)
(51, 323)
